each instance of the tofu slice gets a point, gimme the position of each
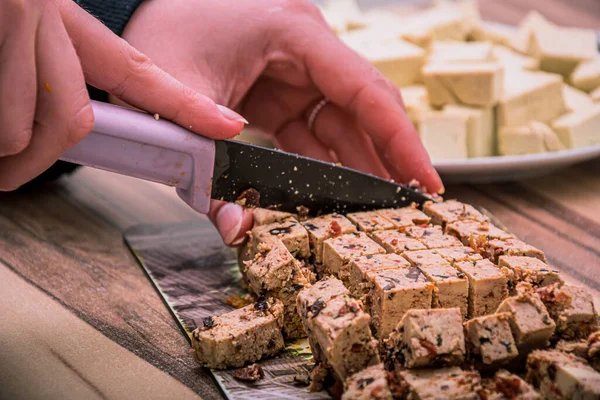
(370, 221)
(535, 137)
(490, 339)
(481, 138)
(428, 338)
(323, 228)
(264, 216)
(370, 383)
(510, 59)
(475, 84)
(450, 211)
(360, 267)
(579, 129)
(572, 309)
(466, 229)
(444, 135)
(494, 248)
(396, 59)
(458, 254)
(560, 375)
(405, 216)
(416, 102)
(530, 96)
(527, 269)
(454, 51)
(586, 75)
(530, 322)
(339, 251)
(240, 336)
(488, 286)
(397, 242)
(443, 383)
(577, 100)
(289, 231)
(432, 237)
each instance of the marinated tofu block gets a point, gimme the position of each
(450, 211)
(428, 338)
(416, 102)
(370, 221)
(527, 269)
(370, 383)
(487, 286)
(444, 135)
(360, 267)
(462, 52)
(481, 140)
(507, 386)
(323, 228)
(444, 383)
(490, 338)
(510, 59)
(586, 75)
(263, 216)
(342, 332)
(559, 375)
(530, 322)
(432, 237)
(292, 322)
(452, 286)
(397, 242)
(474, 84)
(579, 129)
(405, 216)
(393, 292)
(458, 254)
(571, 308)
(289, 231)
(339, 251)
(465, 229)
(530, 96)
(272, 267)
(241, 336)
(535, 137)
(495, 248)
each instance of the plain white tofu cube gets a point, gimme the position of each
(535, 137)
(481, 140)
(595, 95)
(579, 129)
(576, 100)
(453, 51)
(416, 102)
(510, 59)
(444, 135)
(586, 75)
(533, 21)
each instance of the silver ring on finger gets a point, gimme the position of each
(312, 117)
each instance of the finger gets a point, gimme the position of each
(359, 88)
(63, 113)
(295, 137)
(111, 64)
(17, 78)
(231, 220)
(338, 131)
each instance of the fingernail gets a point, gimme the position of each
(442, 190)
(239, 241)
(230, 114)
(229, 221)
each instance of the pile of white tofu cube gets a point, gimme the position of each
(476, 89)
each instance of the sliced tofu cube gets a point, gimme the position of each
(466, 229)
(393, 293)
(488, 286)
(323, 228)
(474, 84)
(360, 267)
(339, 251)
(586, 75)
(450, 211)
(577, 100)
(289, 231)
(490, 338)
(527, 269)
(454, 51)
(530, 96)
(405, 216)
(498, 34)
(272, 267)
(535, 137)
(370, 383)
(444, 135)
(432, 236)
(521, 41)
(370, 221)
(558, 375)
(443, 383)
(264, 216)
(509, 386)
(579, 129)
(493, 249)
(530, 322)
(396, 59)
(481, 141)
(342, 332)
(572, 309)
(428, 338)
(397, 242)
(452, 285)
(416, 102)
(240, 336)
(458, 254)
(510, 59)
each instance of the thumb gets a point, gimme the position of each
(231, 220)
(109, 63)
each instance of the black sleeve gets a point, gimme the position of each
(113, 13)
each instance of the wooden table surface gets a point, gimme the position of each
(79, 319)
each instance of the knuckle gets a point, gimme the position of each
(16, 143)
(136, 64)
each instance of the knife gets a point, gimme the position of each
(136, 144)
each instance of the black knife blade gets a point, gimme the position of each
(287, 181)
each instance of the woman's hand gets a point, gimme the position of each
(273, 61)
(48, 50)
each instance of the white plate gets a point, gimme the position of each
(510, 168)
